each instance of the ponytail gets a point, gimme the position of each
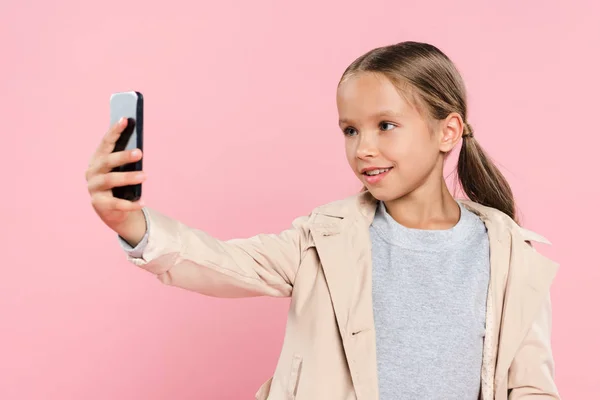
(481, 180)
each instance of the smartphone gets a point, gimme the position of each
(131, 106)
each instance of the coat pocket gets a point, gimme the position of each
(292, 388)
(263, 391)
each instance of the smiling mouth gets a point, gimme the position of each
(376, 172)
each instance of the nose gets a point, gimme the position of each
(367, 146)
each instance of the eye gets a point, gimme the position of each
(349, 131)
(387, 123)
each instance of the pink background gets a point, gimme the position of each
(241, 137)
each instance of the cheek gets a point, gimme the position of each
(350, 153)
(399, 150)
(413, 156)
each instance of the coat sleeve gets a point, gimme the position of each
(531, 374)
(262, 265)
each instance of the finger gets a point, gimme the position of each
(103, 182)
(126, 205)
(106, 163)
(107, 144)
(105, 203)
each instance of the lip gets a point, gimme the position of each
(367, 169)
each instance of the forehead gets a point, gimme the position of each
(367, 94)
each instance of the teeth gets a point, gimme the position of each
(377, 171)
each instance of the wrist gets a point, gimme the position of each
(133, 229)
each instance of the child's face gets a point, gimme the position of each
(383, 130)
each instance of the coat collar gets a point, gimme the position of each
(365, 204)
(341, 235)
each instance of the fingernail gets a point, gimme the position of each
(135, 153)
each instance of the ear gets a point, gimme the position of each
(451, 129)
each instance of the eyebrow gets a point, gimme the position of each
(385, 113)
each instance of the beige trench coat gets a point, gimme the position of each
(323, 262)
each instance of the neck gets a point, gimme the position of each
(430, 206)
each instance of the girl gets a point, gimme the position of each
(398, 292)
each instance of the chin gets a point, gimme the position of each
(385, 194)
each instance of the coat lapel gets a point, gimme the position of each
(331, 244)
(528, 285)
(341, 237)
(520, 280)
(499, 239)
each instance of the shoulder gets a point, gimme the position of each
(344, 207)
(332, 212)
(497, 217)
(519, 241)
(335, 215)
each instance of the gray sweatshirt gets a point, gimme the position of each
(429, 304)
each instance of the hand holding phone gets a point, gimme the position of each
(114, 175)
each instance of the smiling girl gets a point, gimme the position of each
(398, 292)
